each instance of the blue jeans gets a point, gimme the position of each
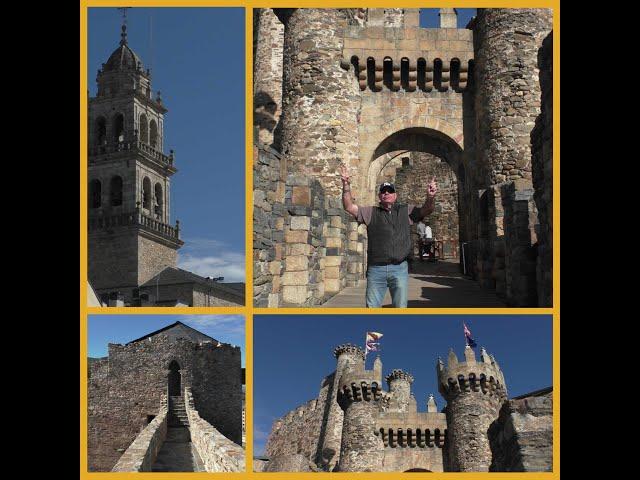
(381, 277)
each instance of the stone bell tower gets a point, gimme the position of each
(130, 235)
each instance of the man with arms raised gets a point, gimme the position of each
(388, 229)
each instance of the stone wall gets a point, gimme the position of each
(298, 432)
(218, 453)
(143, 451)
(364, 87)
(507, 102)
(306, 247)
(267, 75)
(520, 220)
(294, 462)
(321, 100)
(119, 408)
(269, 216)
(412, 440)
(522, 437)
(506, 43)
(411, 182)
(153, 257)
(113, 260)
(542, 164)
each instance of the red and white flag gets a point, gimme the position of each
(372, 343)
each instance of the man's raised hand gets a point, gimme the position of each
(344, 174)
(432, 188)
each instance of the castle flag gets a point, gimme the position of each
(372, 343)
(467, 336)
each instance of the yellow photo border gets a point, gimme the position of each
(248, 310)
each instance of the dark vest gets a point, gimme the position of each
(389, 236)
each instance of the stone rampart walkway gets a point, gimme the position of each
(438, 284)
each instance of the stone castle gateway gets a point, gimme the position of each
(371, 89)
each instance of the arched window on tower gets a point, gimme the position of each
(115, 191)
(157, 208)
(146, 193)
(144, 129)
(101, 131)
(153, 133)
(118, 128)
(95, 194)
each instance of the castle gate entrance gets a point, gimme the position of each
(410, 158)
(174, 379)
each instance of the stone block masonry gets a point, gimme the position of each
(306, 247)
(355, 425)
(141, 454)
(368, 87)
(542, 164)
(522, 436)
(218, 453)
(119, 409)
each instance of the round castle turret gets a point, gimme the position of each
(474, 392)
(359, 397)
(349, 357)
(400, 389)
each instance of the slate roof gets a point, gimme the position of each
(173, 275)
(179, 330)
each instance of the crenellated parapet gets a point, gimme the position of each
(415, 430)
(398, 374)
(349, 349)
(359, 388)
(483, 377)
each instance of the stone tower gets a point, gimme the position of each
(360, 397)
(507, 103)
(349, 357)
(401, 399)
(130, 236)
(475, 392)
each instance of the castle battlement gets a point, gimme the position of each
(359, 388)
(412, 429)
(409, 58)
(459, 377)
(348, 349)
(397, 375)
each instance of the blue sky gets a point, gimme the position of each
(105, 329)
(429, 17)
(197, 58)
(292, 354)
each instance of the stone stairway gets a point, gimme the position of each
(177, 453)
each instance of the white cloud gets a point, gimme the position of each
(226, 328)
(212, 258)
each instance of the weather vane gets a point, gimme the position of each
(124, 14)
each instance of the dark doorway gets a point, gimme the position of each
(174, 379)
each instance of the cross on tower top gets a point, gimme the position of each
(123, 35)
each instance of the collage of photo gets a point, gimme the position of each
(319, 240)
